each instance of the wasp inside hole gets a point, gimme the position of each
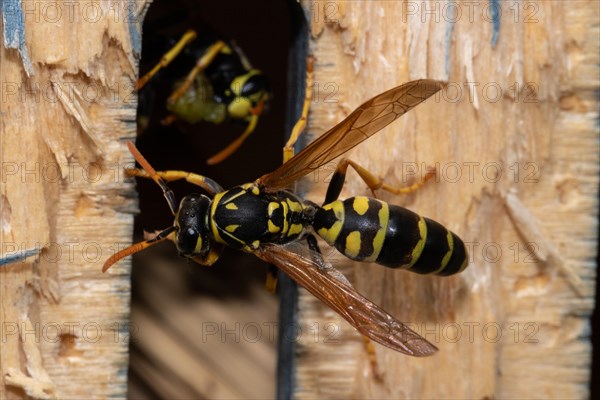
(220, 85)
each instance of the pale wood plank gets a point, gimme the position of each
(63, 121)
(547, 152)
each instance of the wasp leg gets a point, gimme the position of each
(233, 146)
(288, 150)
(324, 266)
(168, 120)
(373, 182)
(271, 280)
(200, 66)
(204, 182)
(166, 59)
(370, 349)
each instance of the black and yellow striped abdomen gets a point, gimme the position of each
(370, 230)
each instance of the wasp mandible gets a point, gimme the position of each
(263, 218)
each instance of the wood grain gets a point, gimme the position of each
(515, 144)
(67, 105)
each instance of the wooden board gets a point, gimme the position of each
(67, 73)
(514, 140)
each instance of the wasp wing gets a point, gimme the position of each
(367, 317)
(364, 122)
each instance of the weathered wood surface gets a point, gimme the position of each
(67, 71)
(514, 139)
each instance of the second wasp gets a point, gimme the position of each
(207, 79)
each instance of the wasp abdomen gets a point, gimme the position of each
(370, 230)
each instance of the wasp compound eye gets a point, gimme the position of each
(255, 84)
(187, 241)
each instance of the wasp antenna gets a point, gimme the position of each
(136, 247)
(168, 193)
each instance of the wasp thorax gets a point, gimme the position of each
(192, 226)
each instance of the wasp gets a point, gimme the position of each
(266, 219)
(220, 85)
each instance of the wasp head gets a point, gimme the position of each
(251, 94)
(193, 238)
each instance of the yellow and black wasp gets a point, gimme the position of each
(264, 218)
(211, 80)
